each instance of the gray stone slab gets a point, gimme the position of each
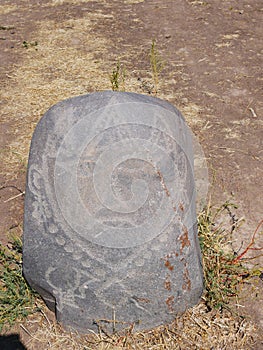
(110, 221)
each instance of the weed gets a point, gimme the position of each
(17, 299)
(21, 159)
(27, 44)
(117, 77)
(6, 28)
(223, 269)
(157, 64)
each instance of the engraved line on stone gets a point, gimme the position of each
(155, 120)
(135, 302)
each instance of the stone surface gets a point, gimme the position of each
(110, 221)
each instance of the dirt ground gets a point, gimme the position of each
(54, 49)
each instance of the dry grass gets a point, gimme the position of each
(53, 72)
(4, 9)
(213, 324)
(58, 69)
(196, 329)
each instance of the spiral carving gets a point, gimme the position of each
(124, 173)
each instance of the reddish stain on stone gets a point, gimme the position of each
(168, 265)
(181, 206)
(171, 255)
(170, 303)
(187, 284)
(167, 284)
(184, 239)
(163, 183)
(187, 281)
(142, 300)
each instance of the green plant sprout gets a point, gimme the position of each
(17, 299)
(157, 65)
(27, 44)
(224, 270)
(117, 77)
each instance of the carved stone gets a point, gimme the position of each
(110, 223)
